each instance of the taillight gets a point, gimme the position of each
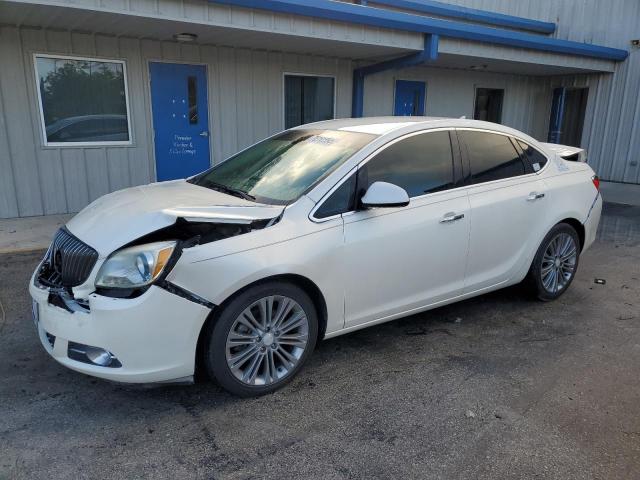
(596, 182)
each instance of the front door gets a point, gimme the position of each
(402, 259)
(409, 98)
(180, 119)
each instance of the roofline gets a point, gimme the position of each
(365, 15)
(472, 14)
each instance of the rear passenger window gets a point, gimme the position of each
(491, 156)
(536, 159)
(420, 164)
(340, 201)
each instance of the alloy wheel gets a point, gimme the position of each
(559, 262)
(267, 340)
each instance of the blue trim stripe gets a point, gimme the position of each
(465, 13)
(347, 12)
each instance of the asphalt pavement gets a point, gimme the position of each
(496, 387)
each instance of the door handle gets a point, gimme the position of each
(204, 134)
(533, 196)
(452, 217)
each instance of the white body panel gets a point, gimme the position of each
(381, 279)
(369, 266)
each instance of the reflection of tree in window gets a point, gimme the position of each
(84, 93)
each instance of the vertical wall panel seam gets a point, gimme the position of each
(25, 72)
(605, 126)
(10, 162)
(595, 99)
(618, 130)
(632, 137)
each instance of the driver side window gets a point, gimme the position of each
(420, 164)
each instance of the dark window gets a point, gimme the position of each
(420, 164)
(193, 99)
(307, 99)
(340, 201)
(82, 100)
(491, 156)
(488, 104)
(536, 159)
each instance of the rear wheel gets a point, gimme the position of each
(555, 263)
(261, 339)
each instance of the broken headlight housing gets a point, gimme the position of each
(135, 267)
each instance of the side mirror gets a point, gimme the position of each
(383, 194)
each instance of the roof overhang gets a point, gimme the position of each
(333, 30)
(366, 15)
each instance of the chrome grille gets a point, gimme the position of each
(68, 262)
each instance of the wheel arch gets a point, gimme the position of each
(309, 287)
(578, 227)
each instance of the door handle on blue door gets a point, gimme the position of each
(535, 196)
(452, 217)
(204, 134)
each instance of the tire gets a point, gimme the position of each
(247, 355)
(555, 265)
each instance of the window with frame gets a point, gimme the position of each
(308, 99)
(420, 164)
(488, 105)
(536, 159)
(491, 156)
(342, 200)
(82, 100)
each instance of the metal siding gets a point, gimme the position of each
(245, 90)
(612, 122)
(19, 137)
(451, 93)
(202, 11)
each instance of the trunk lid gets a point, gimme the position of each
(566, 152)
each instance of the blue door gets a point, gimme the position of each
(180, 119)
(557, 114)
(409, 98)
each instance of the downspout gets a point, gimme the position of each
(429, 53)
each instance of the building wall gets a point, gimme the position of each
(451, 93)
(611, 133)
(245, 90)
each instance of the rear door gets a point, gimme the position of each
(507, 201)
(399, 259)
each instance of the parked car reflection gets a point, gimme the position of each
(89, 128)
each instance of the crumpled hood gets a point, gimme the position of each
(123, 216)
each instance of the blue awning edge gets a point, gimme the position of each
(366, 15)
(472, 14)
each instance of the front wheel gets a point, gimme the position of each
(555, 263)
(261, 339)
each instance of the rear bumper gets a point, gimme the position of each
(592, 221)
(153, 336)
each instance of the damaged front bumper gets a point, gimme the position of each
(151, 338)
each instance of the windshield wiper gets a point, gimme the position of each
(231, 191)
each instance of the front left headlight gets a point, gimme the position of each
(135, 267)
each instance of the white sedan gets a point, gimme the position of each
(312, 233)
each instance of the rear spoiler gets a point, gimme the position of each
(572, 154)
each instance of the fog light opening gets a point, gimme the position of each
(99, 356)
(92, 355)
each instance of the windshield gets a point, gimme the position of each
(280, 169)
